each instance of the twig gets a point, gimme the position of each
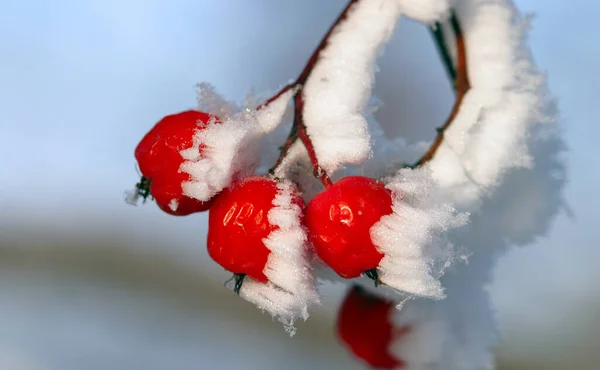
(318, 172)
(461, 85)
(285, 89)
(440, 42)
(458, 74)
(239, 280)
(298, 129)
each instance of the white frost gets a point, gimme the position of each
(412, 237)
(455, 334)
(339, 86)
(221, 152)
(174, 204)
(508, 96)
(291, 288)
(231, 148)
(270, 116)
(424, 11)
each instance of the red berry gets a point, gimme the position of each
(237, 224)
(159, 159)
(339, 220)
(364, 325)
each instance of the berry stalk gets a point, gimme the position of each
(440, 42)
(458, 74)
(298, 129)
(313, 58)
(318, 172)
(461, 83)
(142, 189)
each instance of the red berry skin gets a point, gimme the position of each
(158, 152)
(237, 224)
(158, 156)
(363, 325)
(167, 191)
(339, 220)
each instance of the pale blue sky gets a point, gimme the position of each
(82, 80)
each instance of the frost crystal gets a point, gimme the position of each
(221, 151)
(412, 237)
(291, 288)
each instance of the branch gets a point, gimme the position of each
(285, 89)
(440, 42)
(458, 75)
(461, 85)
(318, 172)
(298, 129)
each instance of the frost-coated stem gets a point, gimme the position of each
(285, 89)
(318, 172)
(461, 85)
(315, 55)
(298, 129)
(458, 75)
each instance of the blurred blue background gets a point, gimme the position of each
(88, 282)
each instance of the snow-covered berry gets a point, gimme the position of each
(159, 158)
(339, 220)
(239, 225)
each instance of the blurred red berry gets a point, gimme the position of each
(364, 326)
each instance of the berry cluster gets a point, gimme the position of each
(345, 225)
(267, 229)
(337, 220)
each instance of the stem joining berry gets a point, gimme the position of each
(373, 275)
(238, 281)
(142, 188)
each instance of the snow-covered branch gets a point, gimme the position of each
(463, 198)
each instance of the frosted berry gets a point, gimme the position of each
(339, 220)
(364, 326)
(238, 223)
(159, 159)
